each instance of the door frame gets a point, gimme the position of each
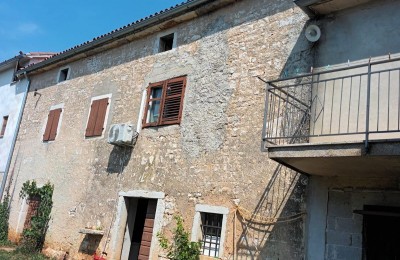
(119, 226)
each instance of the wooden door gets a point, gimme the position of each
(144, 251)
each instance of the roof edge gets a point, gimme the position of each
(145, 23)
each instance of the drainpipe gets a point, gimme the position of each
(10, 155)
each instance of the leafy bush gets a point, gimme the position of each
(33, 237)
(181, 248)
(4, 215)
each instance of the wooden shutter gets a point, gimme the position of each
(3, 127)
(174, 90)
(33, 207)
(52, 125)
(144, 251)
(96, 118)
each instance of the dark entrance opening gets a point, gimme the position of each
(139, 228)
(381, 233)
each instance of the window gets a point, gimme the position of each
(95, 125)
(166, 42)
(164, 102)
(211, 227)
(63, 75)
(3, 127)
(52, 125)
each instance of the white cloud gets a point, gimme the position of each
(28, 28)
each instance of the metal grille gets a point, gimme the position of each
(211, 228)
(356, 103)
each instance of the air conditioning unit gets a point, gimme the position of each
(122, 135)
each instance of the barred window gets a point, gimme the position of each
(211, 227)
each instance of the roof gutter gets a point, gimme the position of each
(9, 62)
(128, 30)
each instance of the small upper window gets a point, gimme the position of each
(63, 75)
(3, 128)
(166, 42)
(164, 102)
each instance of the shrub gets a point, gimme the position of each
(181, 248)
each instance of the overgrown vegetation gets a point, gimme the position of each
(33, 237)
(181, 248)
(4, 215)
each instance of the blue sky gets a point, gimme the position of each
(51, 25)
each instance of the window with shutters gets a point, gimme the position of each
(3, 127)
(53, 121)
(164, 102)
(97, 117)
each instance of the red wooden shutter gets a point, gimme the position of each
(96, 118)
(174, 90)
(144, 251)
(33, 206)
(3, 128)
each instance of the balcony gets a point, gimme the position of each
(336, 122)
(321, 7)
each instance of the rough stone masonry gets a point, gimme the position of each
(213, 157)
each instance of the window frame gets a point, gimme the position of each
(162, 42)
(163, 85)
(59, 74)
(197, 231)
(4, 126)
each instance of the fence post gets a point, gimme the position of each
(368, 108)
(264, 129)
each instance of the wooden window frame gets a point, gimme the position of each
(164, 85)
(52, 125)
(4, 126)
(92, 125)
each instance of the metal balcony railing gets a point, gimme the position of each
(348, 104)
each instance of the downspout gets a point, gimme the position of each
(10, 155)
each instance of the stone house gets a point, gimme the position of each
(188, 84)
(199, 157)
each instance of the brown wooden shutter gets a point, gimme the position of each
(52, 125)
(3, 127)
(96, 118)
(174, 90)
(144, 251)
(101, 115)
(46, 135)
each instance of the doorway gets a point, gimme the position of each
(381, 233)
(139, 228)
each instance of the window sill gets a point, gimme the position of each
(88, 231)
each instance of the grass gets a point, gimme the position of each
(8, 252)
(14, 255)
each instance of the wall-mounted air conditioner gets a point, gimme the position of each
(122, 135)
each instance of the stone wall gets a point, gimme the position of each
(213, 157)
